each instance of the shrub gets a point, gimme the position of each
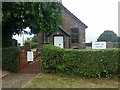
(51, 58)
(91, 63)
(116, 45)
(22, 48)
(10, 59)
(33, 45)
(84, 63)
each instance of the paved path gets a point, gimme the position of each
(16, 80)
(3, 73)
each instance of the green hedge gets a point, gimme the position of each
(84, 63)
(51, 58)
(10, 59)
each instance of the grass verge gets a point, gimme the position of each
(44, 80)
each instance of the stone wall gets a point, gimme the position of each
(65, 38)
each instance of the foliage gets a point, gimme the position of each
(118, 39)
(83, 63)
(21, 48)
(34, 38)
(50, 55)
(10, 59)
(29, 41)
(116, 45)
(33, 44)
(38, 16)
(108, 36)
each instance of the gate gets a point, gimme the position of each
(29, 66)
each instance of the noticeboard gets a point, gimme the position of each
(29, 56)
(98, 45)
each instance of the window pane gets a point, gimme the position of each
(75, 35)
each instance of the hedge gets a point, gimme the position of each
(51, 57)
(10, 59)
(84, 63)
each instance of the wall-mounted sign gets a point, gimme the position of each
(29, 56)
(98, 45)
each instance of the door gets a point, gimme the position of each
(58, 41)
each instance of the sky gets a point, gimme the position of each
(98, 15)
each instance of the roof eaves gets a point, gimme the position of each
(64, 31)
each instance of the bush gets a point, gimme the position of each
(22, 48)
(84, 63)
(51, 58)
(10, 59)
(33, 45)
(116, 45)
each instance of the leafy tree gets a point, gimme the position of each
(38, 16)
(108, 36)
(34, 38)
(29, 41)
(118, 39)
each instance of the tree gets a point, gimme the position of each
(38, 16)
(119, 39)
(108, 36)
(34, 38)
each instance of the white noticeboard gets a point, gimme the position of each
(98, 45)
(29, 56)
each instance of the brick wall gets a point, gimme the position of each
(68, 23)
(65, 37)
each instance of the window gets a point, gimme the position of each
(75, 35)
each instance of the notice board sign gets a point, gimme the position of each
(98, 45)
(29, 56)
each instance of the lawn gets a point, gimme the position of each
(44, 80)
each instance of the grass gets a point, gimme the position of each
(44, 80)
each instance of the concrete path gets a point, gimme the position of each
(16, 80)
(3, 73)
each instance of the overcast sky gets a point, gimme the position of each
(98, 15)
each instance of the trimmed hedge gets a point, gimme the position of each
(10, 59)
(84, 63)
(51, 58)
